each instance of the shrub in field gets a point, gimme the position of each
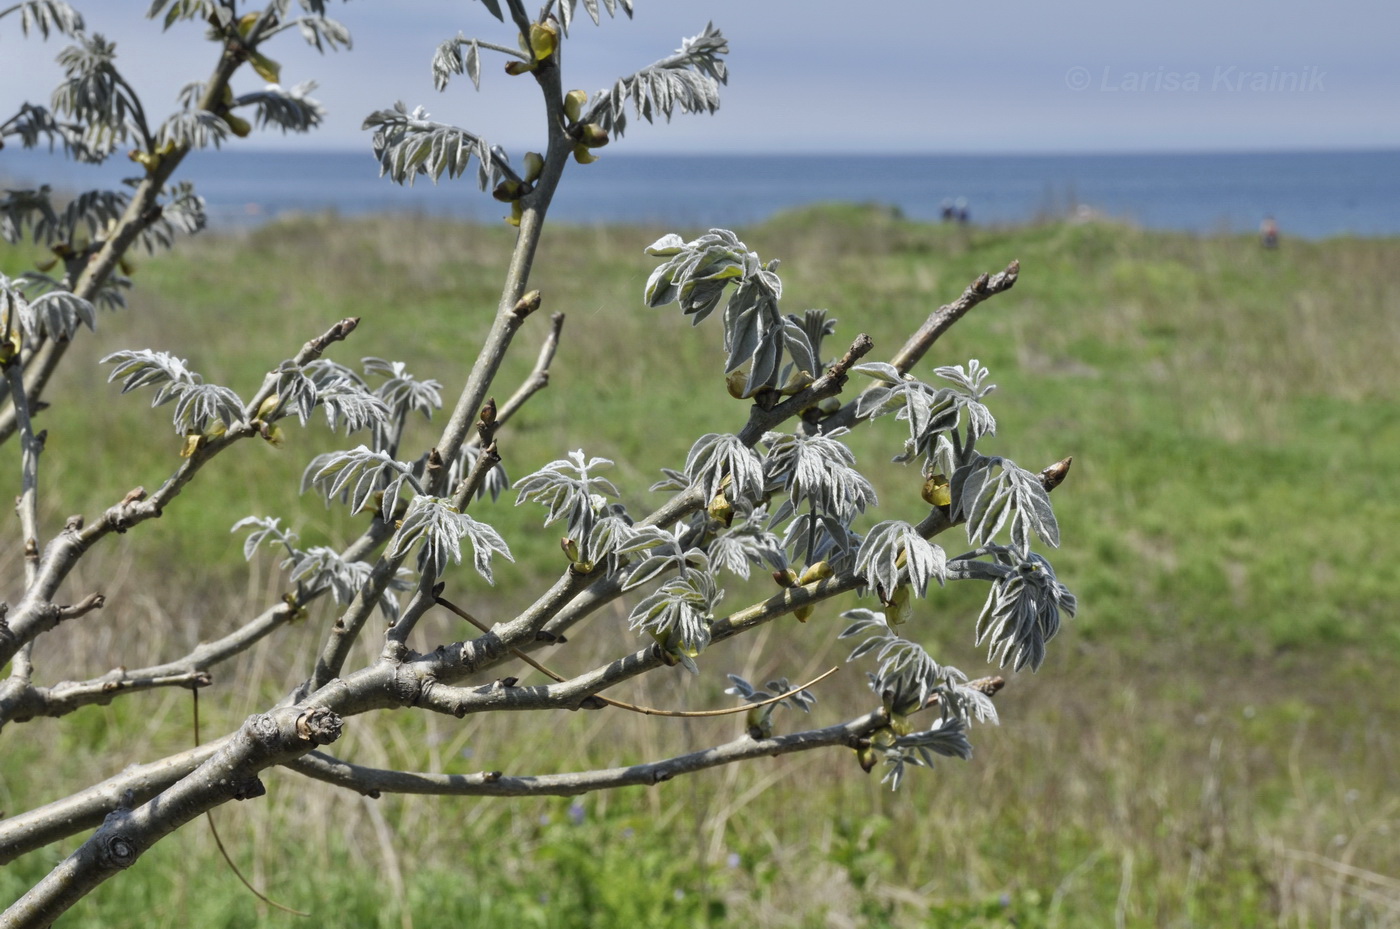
(782, 493)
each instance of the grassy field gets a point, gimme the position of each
(1211, 743)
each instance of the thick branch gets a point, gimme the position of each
(231, 773)
(85, 809)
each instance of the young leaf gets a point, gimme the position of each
(361, 473)
(435, 523)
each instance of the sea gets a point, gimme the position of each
(1312, 194)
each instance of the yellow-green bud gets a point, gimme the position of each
(268, 407)
(573, 104)
(544, 39)
(508, 190)
(797, 381)
(592, 135)
(899, 607)
(238, 125)
(721, 509)
(936, 491)
(267, 69)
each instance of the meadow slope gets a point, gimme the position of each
(1210, 743)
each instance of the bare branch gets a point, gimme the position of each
(187, 671)
(230, 773)
(538, 378)
(86, 809)
(984, 287)
(374, 781)
(63, 698)
(939, 322)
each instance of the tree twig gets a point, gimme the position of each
(374, 781)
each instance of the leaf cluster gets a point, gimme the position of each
(687, 80)
(695, 275)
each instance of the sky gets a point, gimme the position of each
(998, 76)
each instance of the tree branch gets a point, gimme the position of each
(939, 322)
(85, 809)
(67, 696)
(375, 781)
(230, 773)
(189, 670)
(141, 211)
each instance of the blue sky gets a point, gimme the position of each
(817, 75)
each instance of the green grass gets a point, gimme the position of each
(1210, 743)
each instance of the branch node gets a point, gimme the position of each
(248, 789)
(119, 852)
(319, 726)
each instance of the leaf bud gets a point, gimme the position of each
(509, 190)
(238, 125)
(883, 738)
(816, 572)
(797, 381)
(534, 165)
(573, 104)
(899, 607)
(192, 443)
(516, 211)
(865, 755)
(268, 407)
(570, 548)
(146, 160)
(936, 492)
(785, 578)
(721, 509)
(592, 135)
(516, 67)
(583, 156)
(1054, 475)
(544, 40)
(267, 69)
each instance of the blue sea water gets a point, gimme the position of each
(1311, 194)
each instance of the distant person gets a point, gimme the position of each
(961, 208)
(1268, 233)
(946, 210)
